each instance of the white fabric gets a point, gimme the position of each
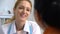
(35, 28)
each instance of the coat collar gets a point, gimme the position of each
(26, 27)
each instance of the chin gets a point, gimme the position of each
(22, 19)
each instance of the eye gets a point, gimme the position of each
(28, 10)
(20, 7)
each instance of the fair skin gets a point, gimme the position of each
(22, 12)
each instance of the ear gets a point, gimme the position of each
(13, 10)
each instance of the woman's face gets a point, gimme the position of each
(22, 11)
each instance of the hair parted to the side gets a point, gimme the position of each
(18, 1)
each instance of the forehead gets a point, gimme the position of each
(25, 4)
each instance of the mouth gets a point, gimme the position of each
(22, 15)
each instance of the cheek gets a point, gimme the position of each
(18, 12)
(28, 13)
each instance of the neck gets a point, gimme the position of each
(19, 25)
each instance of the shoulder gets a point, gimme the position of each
(35, 27)
(7, 25)
(33, 23)
(5, 28)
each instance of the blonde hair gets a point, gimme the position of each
(16, 4)
(18, 1)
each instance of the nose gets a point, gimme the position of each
(24, 11)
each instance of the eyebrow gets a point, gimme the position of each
(29, 8)
(24, 7)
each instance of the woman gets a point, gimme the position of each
(47, 14)
(20, 25)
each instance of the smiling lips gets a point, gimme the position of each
(23, 15)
